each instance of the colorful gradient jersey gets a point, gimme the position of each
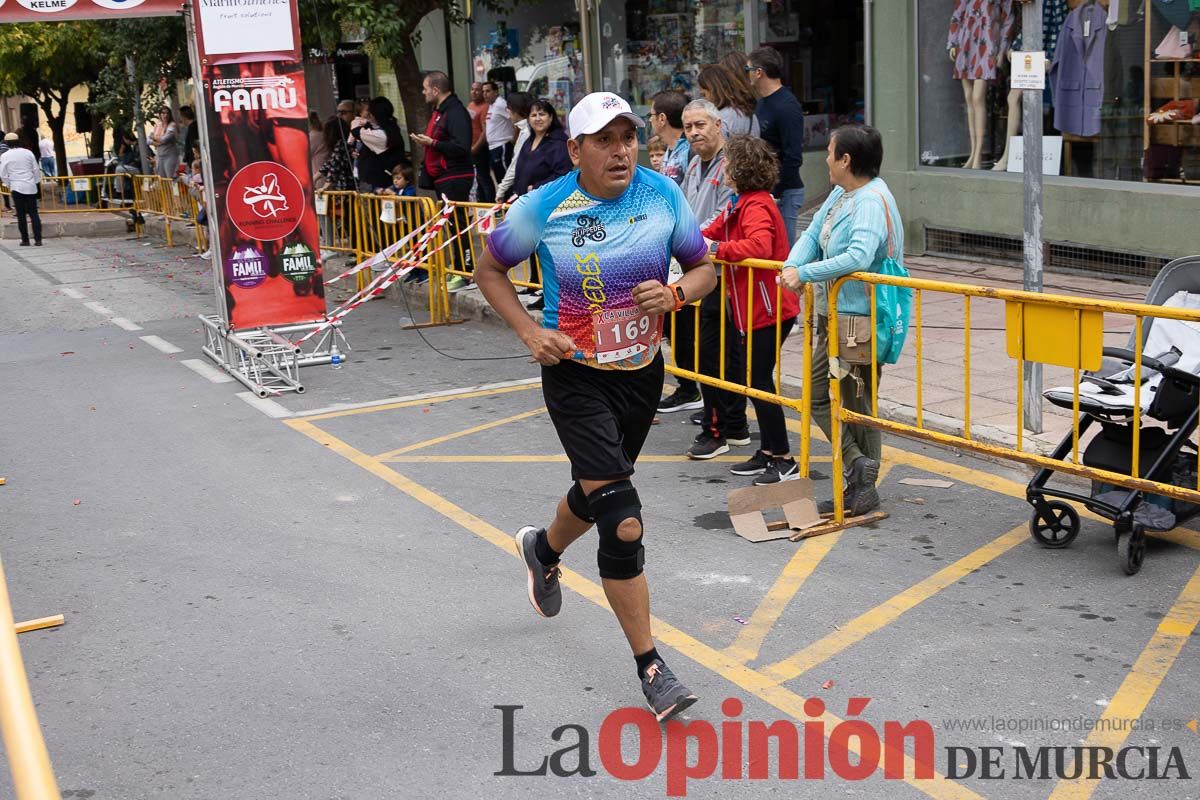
(593, 252)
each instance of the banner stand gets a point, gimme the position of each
(262, 358)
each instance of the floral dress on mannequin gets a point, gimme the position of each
(979, 29)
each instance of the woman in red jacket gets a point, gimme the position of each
(751, 227)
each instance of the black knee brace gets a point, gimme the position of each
(613, 504)
(578, 503)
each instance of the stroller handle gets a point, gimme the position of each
(1164, 366)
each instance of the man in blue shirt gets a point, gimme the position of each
(666, 121)
(604, 235)
(781, 119)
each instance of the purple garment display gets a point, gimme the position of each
(1077, 73)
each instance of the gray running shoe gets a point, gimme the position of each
(665, 695)
(545, 594)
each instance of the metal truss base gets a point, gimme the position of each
(264, 360)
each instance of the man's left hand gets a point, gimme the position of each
(654, 298)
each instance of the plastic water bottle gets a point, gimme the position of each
(336, 360)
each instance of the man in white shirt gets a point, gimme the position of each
(498, 128)
(19, 171)
(49, 163)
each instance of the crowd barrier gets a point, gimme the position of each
(28, 760)
(76, 194)
(1040, 328)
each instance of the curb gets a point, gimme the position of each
(469, 304)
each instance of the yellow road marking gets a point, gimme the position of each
(428, 401)
(451, 436)
(745, 648)
(890, 610)
(549, 458)
(712, 659)
(1140, 684)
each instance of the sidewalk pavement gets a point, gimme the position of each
(994, 380)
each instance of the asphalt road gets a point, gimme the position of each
(317, 597)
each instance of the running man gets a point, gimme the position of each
(605, 235)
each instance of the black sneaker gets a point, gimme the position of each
(755, 465)
(707, 446)
(545, 594)
(739, 437)
(697, 418)
(665, 695)
(679, 401)
(779, 470)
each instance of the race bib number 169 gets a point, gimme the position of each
(621, 333)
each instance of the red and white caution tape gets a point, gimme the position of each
(383, 254)
(419, 255)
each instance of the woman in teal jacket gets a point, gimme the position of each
(848, 234)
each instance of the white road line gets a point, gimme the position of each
(128, 325)
(161, 345)
(426, 396)
(103, 311)
(265, 405)
(207, 371)
(74, 294)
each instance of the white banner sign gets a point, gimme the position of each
(1051, 155)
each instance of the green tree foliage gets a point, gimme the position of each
(46, 60)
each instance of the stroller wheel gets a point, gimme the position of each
(1054, 524)
(1131, 550)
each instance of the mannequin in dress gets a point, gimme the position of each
(1053, 14)
(980, 32)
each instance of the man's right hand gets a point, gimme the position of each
(549, 347)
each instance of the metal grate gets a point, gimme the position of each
(1063, 257)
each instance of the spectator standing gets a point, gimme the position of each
(163, 138)
(485, 187)
(782, 120)
(704, 186)
(733, 98)
(855, 230)
(189, 135)
(48, 162)
(498, 129)
(447, 164)
(318, 149)
(337, 175)
(751, 227)
(518, 109)
(544, 157)
(383, 145)
(21, 173)
(666, 121)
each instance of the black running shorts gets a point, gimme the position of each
(602, 416)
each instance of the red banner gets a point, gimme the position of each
(62, 10)
(257, 120)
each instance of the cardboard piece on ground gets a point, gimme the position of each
(793, 497)
(929, 483)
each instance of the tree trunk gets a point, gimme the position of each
(96, 140)
(416, 110)
(58, 125)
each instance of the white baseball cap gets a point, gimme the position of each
(598, 109)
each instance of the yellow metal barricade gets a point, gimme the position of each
(337, 215)
(385, 219)
(28, 759)
(76, 194)
(741, 383)
(1057, 330)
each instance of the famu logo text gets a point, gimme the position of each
(253, 94)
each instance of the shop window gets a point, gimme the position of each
(537, 51)
(1111, 112)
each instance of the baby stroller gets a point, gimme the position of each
(1170, 394)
